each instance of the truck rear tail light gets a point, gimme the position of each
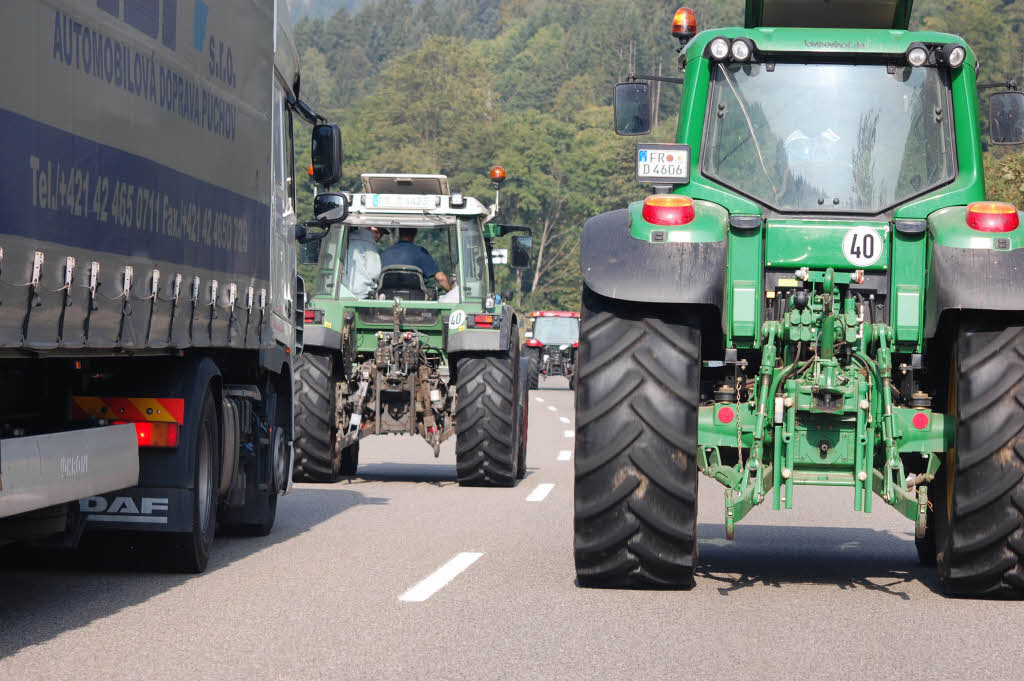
(313, 316)
(485, 319)
(154, 433)
(576, 344)
(992, 216)
(668, 209)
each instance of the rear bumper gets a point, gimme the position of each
(46, 470)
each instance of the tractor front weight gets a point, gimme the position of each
(820, 411)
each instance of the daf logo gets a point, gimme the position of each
(126, 509)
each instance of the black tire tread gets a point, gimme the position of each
(315, 456)
(981, 547)
(533, 374)
(636, 438)
(485, 449)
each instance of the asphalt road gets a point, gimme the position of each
(348, 587)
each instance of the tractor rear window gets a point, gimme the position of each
(846, 138)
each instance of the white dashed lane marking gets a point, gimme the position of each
(540, 399)
(550, 408)
(439, 578)
(569, 433)
(541, 491)
(564, 455)
(563, 419)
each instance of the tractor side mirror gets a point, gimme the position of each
(326, 154)
(632, 108)
(330, 209)
(1006, 118)
(519, 252)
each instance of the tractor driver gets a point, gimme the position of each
(405, 252)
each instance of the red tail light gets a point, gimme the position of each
(155, 433)
(483, 319)
(313, 316)
(668, 209)
(534, 343)
(576, 344)
(992, 216)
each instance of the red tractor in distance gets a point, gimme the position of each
(551, 345)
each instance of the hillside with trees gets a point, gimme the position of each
(455, 86)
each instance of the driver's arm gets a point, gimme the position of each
(443, 281)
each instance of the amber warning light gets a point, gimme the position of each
(684, 24)
(497, 174)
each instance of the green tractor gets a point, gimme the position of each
(815, 293)
(417, 345)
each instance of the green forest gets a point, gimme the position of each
(456, 86)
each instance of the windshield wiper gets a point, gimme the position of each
(750, 127)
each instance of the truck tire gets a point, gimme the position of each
(486, 453)
(533, 370)
(350, 459)
(979, 501)
(636, 441)
(316, 455)
(190, 552)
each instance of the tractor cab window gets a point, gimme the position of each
(327, 262)
(474, 284)
(557, 330)
(874, 137)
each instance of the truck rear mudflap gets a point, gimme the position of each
(46, 470)
(149, 509)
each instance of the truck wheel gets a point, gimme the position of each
(979, 501)
(485, 446)
(316, 457)
(533, 370)
(350, 459)
(636, 441)
(191, 552)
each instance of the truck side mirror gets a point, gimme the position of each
(632, 108)
(519, 252)
(1006, 117)
(326, 153)
(329, 209)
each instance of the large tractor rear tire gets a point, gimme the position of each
(979, 501)
(636, 445)
(486, 447)
(316, 455)
(533, 370)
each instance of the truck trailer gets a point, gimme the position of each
(149, 303)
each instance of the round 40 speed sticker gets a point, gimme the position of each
(863, 246)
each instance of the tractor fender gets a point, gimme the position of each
(484, 340)
(321, 337)
(617, 265)
(973, 279)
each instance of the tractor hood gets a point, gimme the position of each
(891, 14)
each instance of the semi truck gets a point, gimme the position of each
(149, 303)
(815, 293)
